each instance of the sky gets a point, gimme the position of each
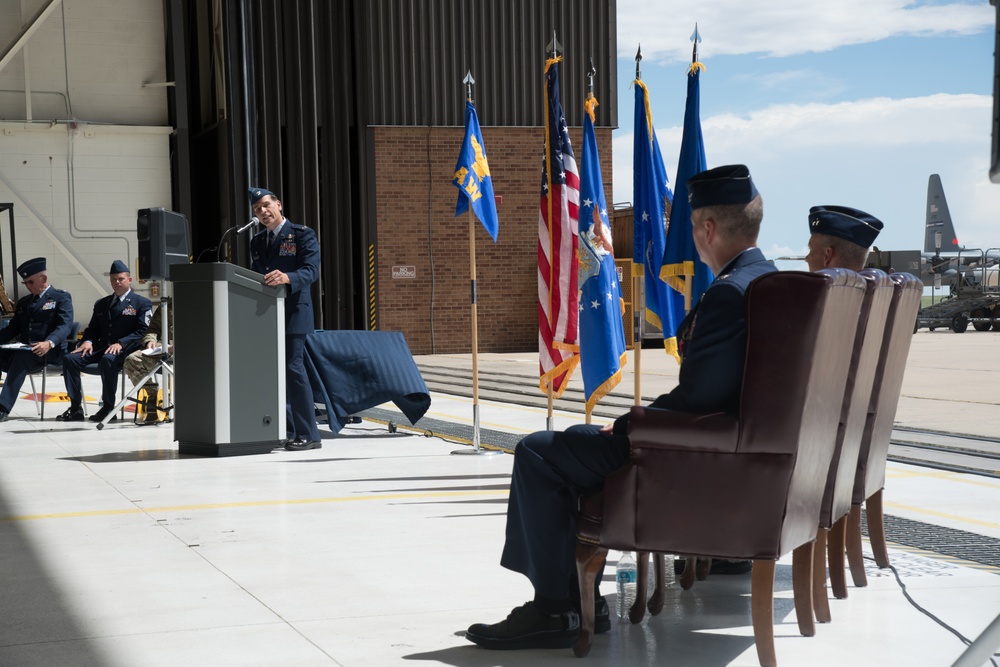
(853, 102)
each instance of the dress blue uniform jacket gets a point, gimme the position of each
(296, 253)
(124, 324)
(712, 369)
(713, 358)
(50, 318)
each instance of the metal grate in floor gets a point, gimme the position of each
(444, 429)
(938, 539)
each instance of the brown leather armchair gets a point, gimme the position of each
(746, 486)
(870, 475)
(840, 480)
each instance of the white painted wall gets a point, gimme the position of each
(84, 143)
(76, 190)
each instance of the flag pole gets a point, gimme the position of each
(476, 449)
(637, 313)
(475, 332)
(591, 73)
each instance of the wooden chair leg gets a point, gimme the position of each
(638, 608)
(835, 558)
(876, 529)
(762, 610)
(852, 540)
(589, 559)
(802, 562)
(702, 569)
(687, 577)
(821, 603)
(655, 605)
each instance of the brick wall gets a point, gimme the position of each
(417, 227)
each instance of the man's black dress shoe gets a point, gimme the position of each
(528, 627)
(3, 415)
(301, 444)
(102, 413)
(71, 415)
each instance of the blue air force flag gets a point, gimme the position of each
(652, 198)
(602, 334)
(682, 267)
(472, 176)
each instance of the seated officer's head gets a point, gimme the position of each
(840, 237)
(726, 211)
(727, 195)
(33, 275)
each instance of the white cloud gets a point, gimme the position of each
(874, 154)
(785, 27)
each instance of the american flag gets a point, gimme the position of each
(558, 294)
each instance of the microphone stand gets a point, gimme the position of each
(218, 254)
(240, 230)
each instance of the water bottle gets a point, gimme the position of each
(625, 577)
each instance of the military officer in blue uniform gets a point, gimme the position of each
(43, 320)
(552, 468)
(116, 327)
(840, 236)
(288, 254)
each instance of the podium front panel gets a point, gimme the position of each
(230, 376)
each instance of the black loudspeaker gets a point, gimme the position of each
(163, 240)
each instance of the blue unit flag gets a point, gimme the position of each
(472, 176)
(681, 262)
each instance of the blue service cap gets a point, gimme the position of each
(257, 193)
(845, 222)
(31, 267)
(722, 186)
(119, 266)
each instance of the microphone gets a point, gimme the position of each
(253, 221)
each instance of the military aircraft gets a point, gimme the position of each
(970, 277)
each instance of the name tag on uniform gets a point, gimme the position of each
(49, 305)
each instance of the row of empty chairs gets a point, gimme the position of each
(824, 366)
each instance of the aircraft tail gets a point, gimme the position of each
(939, 233)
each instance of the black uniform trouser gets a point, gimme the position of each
(300, 409)
(551, 470)
(109, 366)
(17, 364)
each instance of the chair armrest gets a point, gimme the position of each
(651, 428)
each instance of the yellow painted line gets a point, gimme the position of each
(942, 515)
(256, 503)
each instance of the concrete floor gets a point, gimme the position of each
(381, 548)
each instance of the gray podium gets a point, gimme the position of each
(229, 331)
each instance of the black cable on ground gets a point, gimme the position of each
(965, 640)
